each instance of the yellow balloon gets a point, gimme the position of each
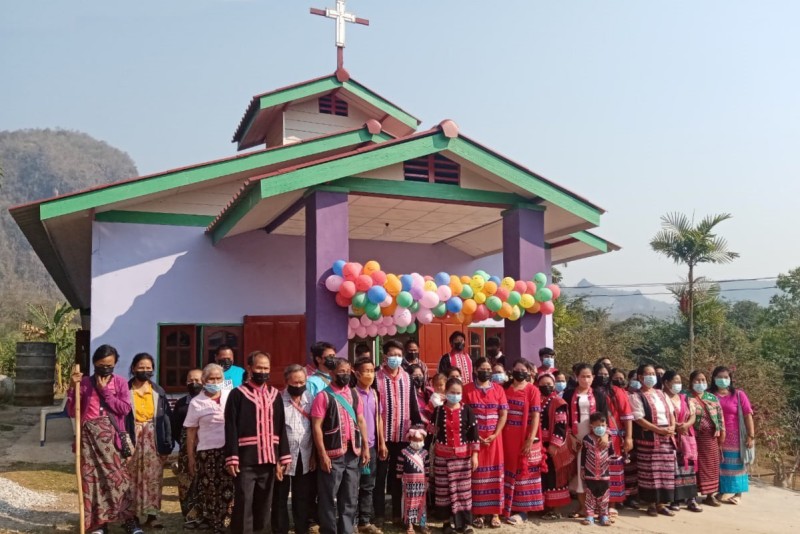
(479, 297)
(526, 301)
(371, 266)
(515, 313)
(430, 285)
(506, 283)
(476, 283)
(490, 288)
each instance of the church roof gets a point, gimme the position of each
(262, 108)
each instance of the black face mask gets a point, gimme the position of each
(418, 381)
(259, 378)
(458, 345)
(620, 383)
(104, 371)
(483, 376)
(225, 364)
(342, 380)
(330, 363)
(492, 352)
(194, 388)
(520, 376)
(412, 356)
(601, 381)
(143, 376)
(296, 391)
(546, 391)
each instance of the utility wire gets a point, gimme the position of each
(650, 284)
(589, 296)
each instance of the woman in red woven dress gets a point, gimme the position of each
(559, 457)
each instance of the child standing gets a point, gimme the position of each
(597, 453)
(456, 447)
(412, 468)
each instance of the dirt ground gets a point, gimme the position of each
(49, 471)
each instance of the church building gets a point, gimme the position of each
(237, 251)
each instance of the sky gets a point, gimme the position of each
(643, 107)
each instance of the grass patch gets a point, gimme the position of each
(42, 477)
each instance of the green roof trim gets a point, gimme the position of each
(592, 240)
(524, 179)
(236, 214)
(148, 217)
(200, 173)
(383, 105)
(297, 93)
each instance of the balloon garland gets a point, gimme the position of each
(386, 304)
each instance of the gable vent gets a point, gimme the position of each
(331, 105)
(434, 169)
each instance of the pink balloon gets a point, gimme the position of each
(351, 333)
(547, 308)
(530, 288)
(429, 299)
(502, 293)
(520, 286)
(365, 321)
(556, 290)
(388, 320)
(391, 330)
(378, 277)
(382, 330)
(444, 293)
(353, 323)
(333, 282)
(361, 331)
(402, 317)
(387, 301)
(372, 330)
(425, 316)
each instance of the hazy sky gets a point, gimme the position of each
(644, 107)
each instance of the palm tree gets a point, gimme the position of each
(686, 243)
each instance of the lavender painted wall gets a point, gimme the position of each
(143, 275)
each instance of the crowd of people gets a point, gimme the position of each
(475, 444)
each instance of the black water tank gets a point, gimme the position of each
(35, 373)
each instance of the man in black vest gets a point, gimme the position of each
(337, 419)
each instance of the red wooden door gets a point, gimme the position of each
(434, 340)
(282, 336)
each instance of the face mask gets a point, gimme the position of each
(635, 384)
(483, 376)
(296, 391)
(330, 363)
(194, 388)
(499, 378)
(677, 388)
(436, 400)
(225, 364)
(412, 356)
(454, 398)
(548, 362)
(342, 380)
(394, 361)
(104, 371)
(418, 381)
(722, 382)
(520, 376)
(416, 445)
(143, 376)
(602, 380)
(561, 386)
(458, 346)
(700, 387)
(546, 391)
(212, 388)
(492, 352)
(599, 431)
(620, 383)
(260, 378)
(650, 380)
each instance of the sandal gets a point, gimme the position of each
(732, 500)
(694, 507)
(711, 501)
(495, 522)
(675, 507)
(514, 519)
(652, 511)
(552, 516)
(587, 521)
(666, 511)
(605, 521)
(477, 523)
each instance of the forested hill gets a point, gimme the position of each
(37, 164)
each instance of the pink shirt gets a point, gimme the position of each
(93, 407)
(320, 406)
(208, 417)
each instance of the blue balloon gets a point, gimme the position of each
(407, 281)
(495, 279)
(376, 294)
(337, 267)
(454, 305)
(442, 279)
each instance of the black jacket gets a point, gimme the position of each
(161, 420)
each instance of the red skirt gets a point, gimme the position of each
(488, 479)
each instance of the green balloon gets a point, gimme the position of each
(543, 294)
(404, 299)
(466, 292)
(401, 329)
(540, 279)
(522, 312)
(440, 310)
(497, 318)
(410, 329)
(513, 298)
(360, 300)
(494, 303)
(373, 311)
(414, 308)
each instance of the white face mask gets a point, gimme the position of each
(416, 445)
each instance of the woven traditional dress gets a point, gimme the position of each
(523, 476)
(560, 466)
(686, 469)
(487, 481)
(655, 454)
(412, 469)
(707, 426)
(733, 474)
(619, 409)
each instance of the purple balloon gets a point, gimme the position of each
(417, 292)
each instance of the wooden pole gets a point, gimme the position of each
(82, 519)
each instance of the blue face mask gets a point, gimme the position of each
(722, 382)
(561, 386)
(499, 378)
(635, 384)
(599, 431)
(212, 388)
(650, 380)
(548, 362)
(677, 388)
(700, 387)
(394, 361)
(454, 398)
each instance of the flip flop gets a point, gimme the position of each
(732, 500)
(495, 522)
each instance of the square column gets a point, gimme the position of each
(326, 242)
(524, 255)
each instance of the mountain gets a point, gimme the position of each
(620, 303)
(37, 164)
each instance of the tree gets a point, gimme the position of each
(688, 244)
(57, 327)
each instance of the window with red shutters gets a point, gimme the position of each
(177, 356)
(332, 105)
(432, 169)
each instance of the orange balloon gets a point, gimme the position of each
(389, 310)
(455, 285)
(393, 286)
(467, 319)
(505, 311)
(490, 288)
(466, 279)
(469, 307)
(535, 308)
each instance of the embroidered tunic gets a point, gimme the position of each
(399, 408)
(255, 429)
(412, 469)
(461, 360)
